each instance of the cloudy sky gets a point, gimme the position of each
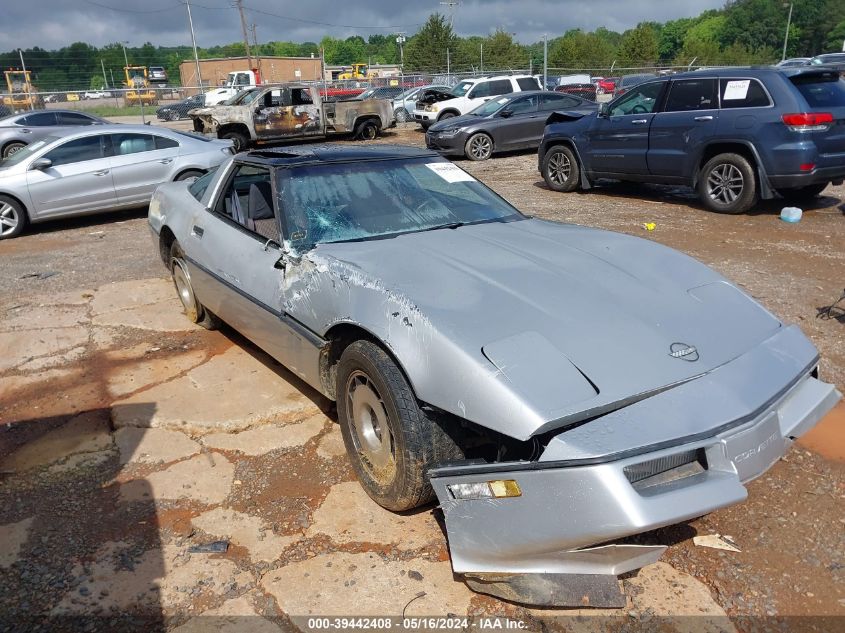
(55, 23)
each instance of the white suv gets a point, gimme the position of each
(468, 95)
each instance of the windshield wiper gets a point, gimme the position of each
(450, 225)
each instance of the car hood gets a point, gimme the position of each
(530, 325)
(457, 122)
(432, 95)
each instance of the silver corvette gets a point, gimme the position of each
(557, 388)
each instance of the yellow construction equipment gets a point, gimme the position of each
(22, 94)
(359, 71)
(138, 84)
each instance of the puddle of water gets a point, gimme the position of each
(828, 437)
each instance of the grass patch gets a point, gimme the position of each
(106, 111)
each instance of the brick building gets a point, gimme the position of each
(273, 69)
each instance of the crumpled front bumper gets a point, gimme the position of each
(568, 505)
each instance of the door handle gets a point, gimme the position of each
(639, 121)
(166, 161)
(102, 172)
(704, 118)
(25, 131)
(197, 231)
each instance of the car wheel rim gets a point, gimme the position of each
(14, 149)
(369, 132)
(480, 147)
(560, 168)
(371, 434)
(401, 115)
(725, 183)
(184, 289)
(8, 219)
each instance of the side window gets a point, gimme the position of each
(557, 102)
(129, 143)
(524, 105)
(640, 99)
(39, 119)
(200, 185)
(78, 150)
(480, 90)
(501, 87)
(527, 83)
(743, 93)
(692, 94)
(248, 200)
(275, 98)
(162, 142)
(74, 118)
(300, 96)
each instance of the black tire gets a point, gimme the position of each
(394, 473)
(446, 115)
(191, 173)
(727, 184)
(479, 146)
(238, 138)
(367, 130)
(194, 310)
(803, 193)
(13, 218)
(172, 116)
(401, 115)
(11, 148)
(561, 170)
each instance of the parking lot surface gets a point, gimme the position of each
(129, 436)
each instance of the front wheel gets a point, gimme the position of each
(390, 440)
(11, 148)
(803, 193)
(194, 310)
(479, 146)
(560, 169)
(190, 173)
(726, 184)
(239, 140)
(13, 218)
(401, 115)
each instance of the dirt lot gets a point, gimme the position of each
(118, 453)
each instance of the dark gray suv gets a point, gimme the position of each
(734, 134)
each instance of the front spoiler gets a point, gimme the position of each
(564, 509)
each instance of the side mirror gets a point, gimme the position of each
(603, 110)
(506, 113)
(41, 164)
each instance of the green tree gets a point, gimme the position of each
(639, 46)
(500, 51)
(97, 83)
(835, 37)
(581, 51)
(427, 49)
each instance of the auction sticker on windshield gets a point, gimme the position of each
(450, 172)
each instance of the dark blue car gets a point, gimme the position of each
(734, 134)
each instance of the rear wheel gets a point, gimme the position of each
(239, 139)
(367, 130)
(479, 146)
(191, 173)
(194, 310)
(726, 184)
(13, 218)
(803, 193)
(446, 115)
(390, 440)
(561, 170)
(401, 115)
(11, 148)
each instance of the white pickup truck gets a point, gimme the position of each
(435, 105)
(235, 82)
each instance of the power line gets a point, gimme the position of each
(104, 6)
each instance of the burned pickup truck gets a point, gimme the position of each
(290, 111)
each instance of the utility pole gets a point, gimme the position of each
(448, 67)
(482, 58)
(26, 81)
(786, 37)
(103, 66)
(254, 30)
(240, 5)
(194, 43)
(545, 62)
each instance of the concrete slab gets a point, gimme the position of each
(22, 346)
(244, 530)
(665, 591)
(270, 437)
(13, 536)
(348, 515)
(232, 391)
(206, 478)
(233, 616)
(331, 444)
(86, 433)
(163, 579)
(9, 385)
(148, 304)
(145, 371)
(151, 446)
(49, 362)
(43, 316)
(347, 584)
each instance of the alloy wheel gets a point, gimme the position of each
(371, 433)
(184, 290)
(560, 168)
(9, 219)
(480, 147)
(725, 183)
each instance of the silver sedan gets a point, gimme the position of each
(19, 130)
(99, 168)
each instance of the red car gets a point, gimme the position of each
(606, 84)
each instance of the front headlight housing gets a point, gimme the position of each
(432, 107)
(448, 133)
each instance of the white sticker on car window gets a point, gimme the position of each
(450, 172)
(737, 89)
